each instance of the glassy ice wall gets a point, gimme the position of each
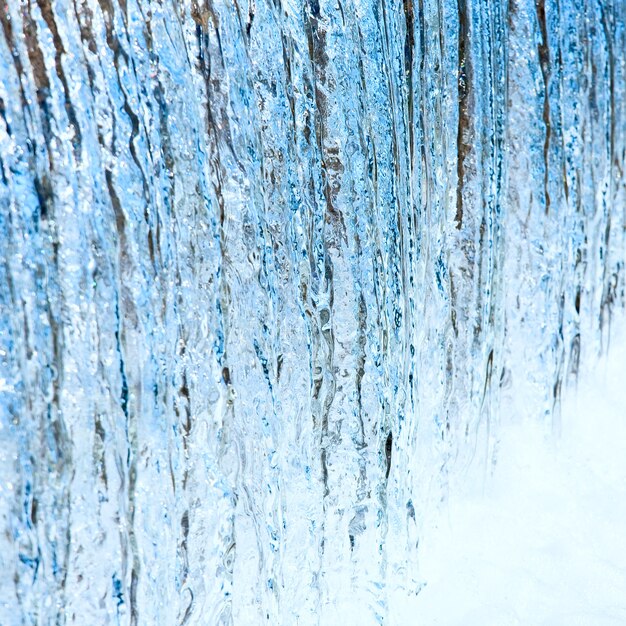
(269, 270)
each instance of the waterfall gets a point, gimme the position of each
(271, 271)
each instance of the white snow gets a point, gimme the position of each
(543, 541)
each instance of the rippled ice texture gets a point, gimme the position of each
(271, 270)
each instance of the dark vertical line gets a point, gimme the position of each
(464, 77)
(409, 45)
(45, 7)
(544, 61)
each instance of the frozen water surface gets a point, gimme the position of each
(273, 274)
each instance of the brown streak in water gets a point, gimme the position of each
(464, 69)
(544, 61)
(46, 11)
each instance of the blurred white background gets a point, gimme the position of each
(544, 541)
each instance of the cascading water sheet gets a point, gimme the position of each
(271, 271)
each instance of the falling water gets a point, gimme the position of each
(270, 271)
